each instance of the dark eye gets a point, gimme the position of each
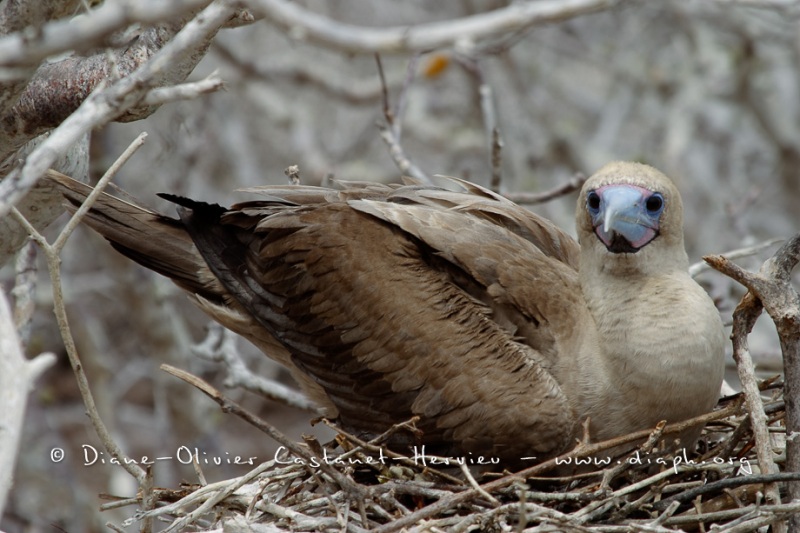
(655, 203)
(593, 201)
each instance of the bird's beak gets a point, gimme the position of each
(623, 222)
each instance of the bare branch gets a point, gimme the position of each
(230, 406)
(770, 289)
(574, 184)
(303, 24)
(85, 33)
(53, 265)
(105, 105)
(220, 346)
(96, 192)
(390, 131)
(321, 76)
(496, 160)
(17, 375)
(184, 91)
(399, 156)
(702, 266)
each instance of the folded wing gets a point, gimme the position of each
(389, 301)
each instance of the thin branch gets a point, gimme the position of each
(183, 91)
(230, 406)
(76, 218)
(387, 108)
(402, 97)
(496, 160)
(770, 289)
(390, 132)
(83, 33)
(17, 376)
(691, 494)
(489, 117)
(220, 346)
(105, 104)
(304, 24)
(333, 82)
(703, 266)
(778, 512)
(203, 499)
(54, 265)
(474, 484)
(399, 156)
(573, 184)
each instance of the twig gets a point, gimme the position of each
(702, 266)
(597, 508)
(220, 346)
(586, 450)
(229, 406)
(574, 184)
(390, 134)
(183, 91)
(478, 488)
(332, 82)
(744, 318)
(373, 446)
(205, 498)
(771, 289)
(399, 156)
(402, 97)
(104, 105)
(17, 375)
(51, 252)
(496, 160)
(61, 240)
(691, 494)
(782, 509)
(387, 108)
(488, 116)
(87, 32)
(148, 499)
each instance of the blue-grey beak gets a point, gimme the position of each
(625, 217)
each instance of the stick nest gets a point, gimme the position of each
(351, 485)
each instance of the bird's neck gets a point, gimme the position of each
(634, 309)
(631, 313)
(658, 341)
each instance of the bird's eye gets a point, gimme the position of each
(655, 204)
(593, 201)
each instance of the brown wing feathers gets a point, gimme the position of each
(386, 336)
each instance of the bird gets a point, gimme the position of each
(504, 335)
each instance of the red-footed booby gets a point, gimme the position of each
(487, 321)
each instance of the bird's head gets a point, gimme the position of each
(630, 216)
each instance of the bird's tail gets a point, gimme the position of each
(156, 241)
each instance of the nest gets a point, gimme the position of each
(352, 485)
